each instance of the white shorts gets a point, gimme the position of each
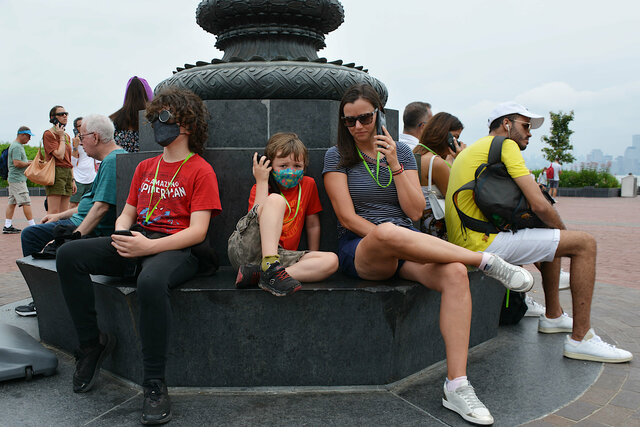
(526, 246)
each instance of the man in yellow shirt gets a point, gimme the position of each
(528, 246)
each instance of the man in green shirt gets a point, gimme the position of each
(18, 192)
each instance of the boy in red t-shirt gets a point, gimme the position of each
(158, 239)
(282, 202)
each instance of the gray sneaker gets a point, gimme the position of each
(511, 276)
(464, 401)
(11, 230)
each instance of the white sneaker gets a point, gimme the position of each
(593, 348)
(464, 401)
(511, 276)
(533, 308)
(564, 323)
(564, 280)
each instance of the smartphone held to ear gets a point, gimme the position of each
(451, 142)
(55, 122)
(381, 120)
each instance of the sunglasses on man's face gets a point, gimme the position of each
(526, 125)
(64, 113)
(364, 119)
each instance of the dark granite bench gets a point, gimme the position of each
(339, 332)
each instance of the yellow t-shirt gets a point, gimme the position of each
(463, 171)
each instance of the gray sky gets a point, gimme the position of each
(463, 57)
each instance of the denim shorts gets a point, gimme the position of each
(347, 245)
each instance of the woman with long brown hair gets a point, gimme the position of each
(435, 150)
(137, 94)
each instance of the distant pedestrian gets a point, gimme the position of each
(57, 144)
(84, 167)
(554, 182)
(542, 178)
(18, 192)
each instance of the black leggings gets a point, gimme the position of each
(77, 259)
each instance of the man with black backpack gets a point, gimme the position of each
(507, 214)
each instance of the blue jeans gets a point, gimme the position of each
(35, 237)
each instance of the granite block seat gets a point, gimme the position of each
(339, 332)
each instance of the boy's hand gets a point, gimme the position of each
(261, 168)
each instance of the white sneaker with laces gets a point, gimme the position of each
(564, 280)
(511, 276)
(593, 348)
(533, 308)
(564, 323)
(464, 401)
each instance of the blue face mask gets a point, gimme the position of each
(288, 178)
(165, 133)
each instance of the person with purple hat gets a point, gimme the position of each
(136, 96)
(18, 192)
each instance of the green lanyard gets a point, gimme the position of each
(434, 153)
(289, 206)
(153, 187)
(376, 178)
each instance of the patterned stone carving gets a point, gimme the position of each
(271, 80)
(270, 52)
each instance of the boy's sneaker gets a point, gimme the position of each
(88, 363)
(11, 230)
(511, 276)
(564, 280)
(564, 323)
(593, 348)
(464, 401)
(248, 276)
(26, 310)
(533, 308)
(156, 408)
(277, 281)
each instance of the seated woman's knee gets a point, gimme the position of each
(456, 277)
(331, 261)
(387, 233)
(150, 287)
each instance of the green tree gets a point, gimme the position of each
(559, 144)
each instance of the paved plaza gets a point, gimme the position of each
(520, 375)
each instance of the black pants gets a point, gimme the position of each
(77, 259)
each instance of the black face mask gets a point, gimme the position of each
(165, 133)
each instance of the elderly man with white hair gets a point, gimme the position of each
(95, 215)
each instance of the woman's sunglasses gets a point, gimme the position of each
(364, 119)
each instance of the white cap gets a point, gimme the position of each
(511, 107)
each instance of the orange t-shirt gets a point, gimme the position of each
(50, 142)
(309, 205)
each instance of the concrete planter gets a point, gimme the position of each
(588, 192)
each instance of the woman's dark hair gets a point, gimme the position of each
(436, 132)
(189, 111)
(346, 144)
(52, 112)
(134, 100)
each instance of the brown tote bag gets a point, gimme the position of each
(40, 171)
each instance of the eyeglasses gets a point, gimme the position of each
(526, 125)
(165, 116)
(82, 135)
(364, 119)
(64, 113)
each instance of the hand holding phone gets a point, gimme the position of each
(381, 120)
(122, 233)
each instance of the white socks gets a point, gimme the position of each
(32, 222)
(486, 256)
(454, 383)
(7, 223)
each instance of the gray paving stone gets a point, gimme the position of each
(632, 385)
(598, 396)
(611, 415)
(578, 410)
(556, 420)
(627, 399)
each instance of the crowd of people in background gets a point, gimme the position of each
(397, 216)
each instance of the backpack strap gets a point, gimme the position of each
(494, 156)
(418, 158)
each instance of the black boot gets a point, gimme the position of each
(156, 408)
